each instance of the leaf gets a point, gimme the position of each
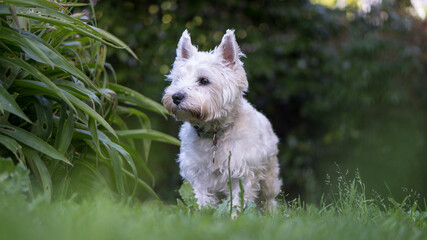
(8, 73)
(57, 18)
(73, 4)
(36, 3)
(40, 51)
(143, 184)
(27, 45)
(84, 134)
(187, 195)
(13, 178)
(77, 102)
(123, 152)
(13, 146)
(64, 133)
(93, 129)
(118, 121)
(128, 95)
(8, 103)
(38, 75)
(148, 134)
(117, 165)
(79, 91)
(44, 124)
(85, 108)
(115, 40)
(143, 120)
(141, 162)
(40, 170)
(92, 169)
(32, 141)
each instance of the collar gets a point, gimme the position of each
(214, 135)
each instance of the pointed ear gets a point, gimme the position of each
(185, 49)
(228, 49)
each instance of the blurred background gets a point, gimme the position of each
(343, 82)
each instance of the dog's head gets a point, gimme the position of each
(205, 85)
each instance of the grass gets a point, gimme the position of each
(348, 214)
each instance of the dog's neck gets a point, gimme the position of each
(217, 126)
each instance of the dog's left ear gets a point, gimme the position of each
(228, 49)
(185, 49)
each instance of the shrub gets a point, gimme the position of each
(62, 114)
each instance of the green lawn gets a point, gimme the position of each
(349, 215)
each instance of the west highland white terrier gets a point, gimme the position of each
(206, 93)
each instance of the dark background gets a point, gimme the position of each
(341, 86)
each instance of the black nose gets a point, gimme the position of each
(178, 97)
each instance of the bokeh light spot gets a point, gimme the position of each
(241, 34)
(166, 6)
(164, 69)
(198, 20)
(167, 18)
(153, 9)
(201, 39)
(217, 36)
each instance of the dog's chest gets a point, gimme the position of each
(209, 151)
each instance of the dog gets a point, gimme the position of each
(207, 93)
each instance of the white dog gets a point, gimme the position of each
(207, 94)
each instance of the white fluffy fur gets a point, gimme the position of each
(220, 107)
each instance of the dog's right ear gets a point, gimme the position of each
(185, 49)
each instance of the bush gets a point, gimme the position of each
(62, 113)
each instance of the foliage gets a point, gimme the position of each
(351, 216)
(339, 85)
(14, 179)
(61, 112)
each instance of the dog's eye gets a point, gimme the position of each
(203, 81)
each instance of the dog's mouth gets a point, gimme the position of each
(183, 113)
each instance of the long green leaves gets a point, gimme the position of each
(36, 74)
(39, 87)
(32, 141)
(54, 17)
(133, 97)
(7, 103)
(58, 109)
(149, 134)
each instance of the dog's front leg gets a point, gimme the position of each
(250, 188)
(204, 197)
